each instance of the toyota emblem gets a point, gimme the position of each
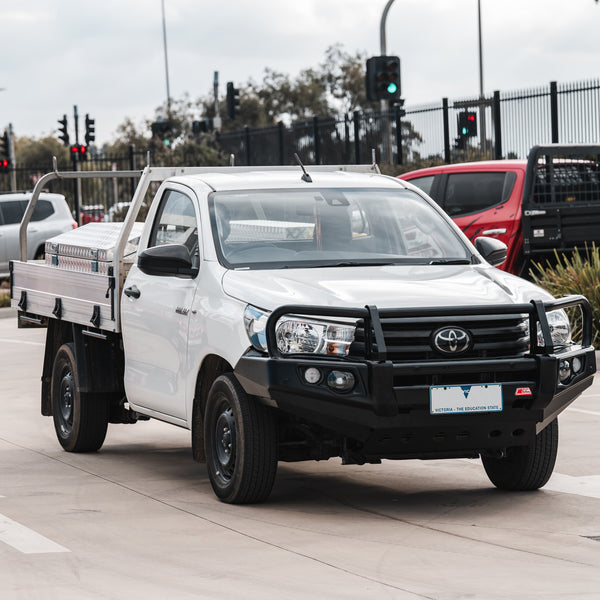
(452, 340)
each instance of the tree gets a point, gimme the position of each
(30, 152)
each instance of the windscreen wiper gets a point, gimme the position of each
(450, 261)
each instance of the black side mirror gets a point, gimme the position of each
(493, 250)
(169, 259)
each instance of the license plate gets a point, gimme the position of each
(460, 399)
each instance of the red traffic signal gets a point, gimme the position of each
(79, 150)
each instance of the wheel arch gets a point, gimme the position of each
(212, 366)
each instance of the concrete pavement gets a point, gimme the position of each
(138, 519)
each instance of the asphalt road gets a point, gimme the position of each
(139, 520)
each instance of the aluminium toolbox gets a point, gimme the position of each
(90, 248)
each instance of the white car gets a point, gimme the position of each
(50, 217)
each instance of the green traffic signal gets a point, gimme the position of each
(392, 88)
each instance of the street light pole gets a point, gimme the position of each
(482, 128)
(164, 24)
(384, 104)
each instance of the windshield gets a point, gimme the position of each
(311, 227)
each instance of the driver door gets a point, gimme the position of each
(155, 313)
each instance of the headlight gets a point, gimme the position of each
(299, 336)
(560, 328)
(295, 336)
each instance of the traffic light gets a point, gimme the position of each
(90, 130)
(383, 78)
(5, 147)
(467, 124)
(64, 135)
(199, 127)
(162, 129)
(79, 152)
(233, 101)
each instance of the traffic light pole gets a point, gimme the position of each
(11, 159)
(75, 156)
(386, 129)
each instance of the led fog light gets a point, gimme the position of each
(312, 375)
(577, 365)
(340, 381)
(564, 370)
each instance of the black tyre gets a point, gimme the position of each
(525, 467)
(80, 420)
(240, 443)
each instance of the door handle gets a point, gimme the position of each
(499, 231)
(132, 292)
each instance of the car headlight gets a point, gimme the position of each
(560, 328)
(299, 336)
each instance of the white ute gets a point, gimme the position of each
(283, 313)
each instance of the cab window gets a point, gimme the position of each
(473, 192)
(176, 222)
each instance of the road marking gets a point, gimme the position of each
(582, 486)
(26, 540)
(585, 412)
(21, 342)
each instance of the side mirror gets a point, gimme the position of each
(493, 250)
(169, 259)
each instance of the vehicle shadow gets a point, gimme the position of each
(394, 489)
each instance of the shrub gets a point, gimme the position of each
(575, 274)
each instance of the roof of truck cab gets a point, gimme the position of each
(222, 181)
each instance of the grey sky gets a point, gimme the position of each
(107, 57)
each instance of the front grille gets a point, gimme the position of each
(410, 338)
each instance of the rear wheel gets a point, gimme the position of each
(80, 420)
(240, 443)
(525, 467)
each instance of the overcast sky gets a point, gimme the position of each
(107, 56)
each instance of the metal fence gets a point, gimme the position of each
(509, 124)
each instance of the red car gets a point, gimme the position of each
(483, 198)
(549, 202)
(92, 214)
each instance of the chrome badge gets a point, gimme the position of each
(452, 340)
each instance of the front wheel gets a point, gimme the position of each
(240, 443)
(80, 420)
(525, 467)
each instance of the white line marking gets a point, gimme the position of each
(585, 412)
(582, 486)
(7, 340)
(26, 540)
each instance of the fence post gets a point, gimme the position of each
(347, 138)
(247, 138)
(316, 140)
(280, 142)
(132, 167)
(399, 157)
(355, 118)
(447, 155)
(554, 111)
(497, 126)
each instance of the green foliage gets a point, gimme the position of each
(38, 153)
(577, 274)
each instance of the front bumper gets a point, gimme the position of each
(388, 411)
